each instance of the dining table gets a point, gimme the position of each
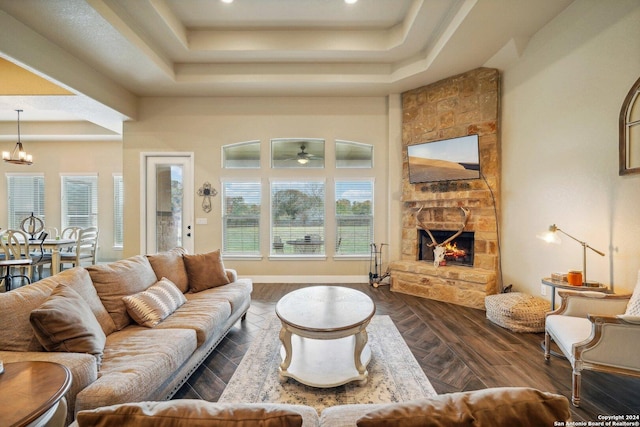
(55, 245)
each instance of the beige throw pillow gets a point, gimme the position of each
(171, 265)
(150, 307)
(493, 407)
(205, 271)
(188, 413)
(64, 322)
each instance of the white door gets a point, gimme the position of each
(168, 202)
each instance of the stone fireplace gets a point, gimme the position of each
(458, 106)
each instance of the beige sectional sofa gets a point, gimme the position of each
(113, 358)
(493, 407)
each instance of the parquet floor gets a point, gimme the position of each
(458, 348)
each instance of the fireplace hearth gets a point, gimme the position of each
(457, 252)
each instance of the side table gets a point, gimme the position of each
(34, 390)
(564, 285)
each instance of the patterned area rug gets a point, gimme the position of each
(394, 373)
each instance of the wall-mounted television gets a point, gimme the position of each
(445, 160)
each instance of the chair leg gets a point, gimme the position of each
(547, 346)
(576, 380)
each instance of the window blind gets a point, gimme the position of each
(241, 217)
(79, 201)
(26, 196)
(354, 217)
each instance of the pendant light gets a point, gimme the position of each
(18, 156)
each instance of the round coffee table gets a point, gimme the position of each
(32, 391)
(324, 336)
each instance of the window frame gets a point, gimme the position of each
(11, 198)
(366, 252)
(118, 211)
(631, 101)
(93, 211)
(241, 254)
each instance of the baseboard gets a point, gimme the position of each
(308, 279)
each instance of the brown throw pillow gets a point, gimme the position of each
(119, 279)
(493, 407)
(205, 271)
(150, 307)
(64, 322)
(188, 413)
(171, 265)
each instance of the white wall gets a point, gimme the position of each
(561, 103)
(204, 125)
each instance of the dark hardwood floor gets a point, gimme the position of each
(458, 348)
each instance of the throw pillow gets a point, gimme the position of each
(119, 279)
(496, 407)
(205, 271)
(64, 322)
(633, 307)
(150, 307)
(171, 265)
(188, 413)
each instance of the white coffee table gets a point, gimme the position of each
(324, 336)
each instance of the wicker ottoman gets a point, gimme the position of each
(517, 311)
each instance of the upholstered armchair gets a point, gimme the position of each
(596, 331)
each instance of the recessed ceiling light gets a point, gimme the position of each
(226, 1)
(350, 1)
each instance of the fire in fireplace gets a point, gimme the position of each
(457, 252)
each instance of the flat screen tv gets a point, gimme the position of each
(445, 160)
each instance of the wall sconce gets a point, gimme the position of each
(18, 156)
(551, 237)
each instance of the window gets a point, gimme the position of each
(297, 217)
(629, 144)
(118, 211)
(297, 153)
(241, 155)
(353, 155)
(79, 201)
(241, 217)
(26, 196)
(354, 217)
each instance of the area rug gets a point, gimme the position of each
(394, 373)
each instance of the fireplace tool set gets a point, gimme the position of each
(375, 266)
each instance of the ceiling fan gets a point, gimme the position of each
(303, 157)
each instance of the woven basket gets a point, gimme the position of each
(517, 311)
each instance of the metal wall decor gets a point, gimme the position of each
(206, 191)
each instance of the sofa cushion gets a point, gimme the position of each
(206, 316)
(171, 265)
(205, 271)
(495, 407)
(16, 306)
(136, 364)
(236, 294)
(150, 307)
(78, 279)
(119, 279)
(64, 322)
(190, 412)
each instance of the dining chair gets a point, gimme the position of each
(85, 249)
(15, 245)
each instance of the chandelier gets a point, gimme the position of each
(18, 156)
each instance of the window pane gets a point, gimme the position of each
(26, 196)
(79, 201)
(354, 217)
(118, 211)
(297, 153)
(241, 217)
(353, 155)
(241, 155)
(297, 217)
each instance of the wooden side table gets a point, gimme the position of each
(564, 285)
(32, 391)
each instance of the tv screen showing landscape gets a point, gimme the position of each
(445, 160)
